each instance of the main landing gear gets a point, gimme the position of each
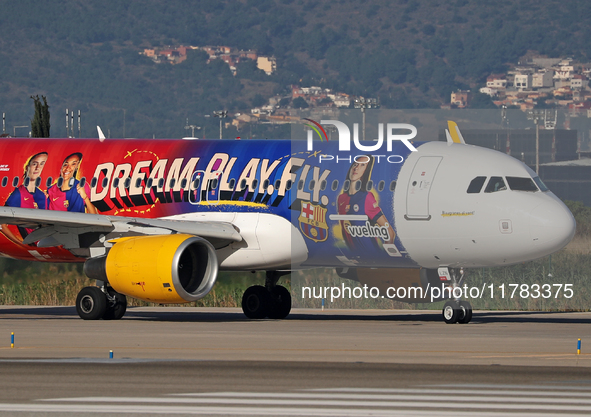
(272, 300)
(94, 303)
(457, 310)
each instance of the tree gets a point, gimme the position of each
(481, 101)
(299, 103)
(40, 123)
(258, 100)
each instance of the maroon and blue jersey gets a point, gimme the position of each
(360, 204)
(21, 197)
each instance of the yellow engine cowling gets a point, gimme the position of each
(416, 282)
(163, 269)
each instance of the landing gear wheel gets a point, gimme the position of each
(255, 302)
(280, 303)
(91, 303)
(465, 312)
(451, 312)
(117, 308)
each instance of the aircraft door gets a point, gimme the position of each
(195, 187)
(419, 187)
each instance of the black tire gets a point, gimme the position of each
(91, 303)
(280, 303)
(117, 310)
(255, 302)
(466, 312)
(451, 312)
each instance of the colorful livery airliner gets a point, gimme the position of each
(157, 219)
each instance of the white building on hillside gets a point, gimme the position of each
(542, 79)
(496, 81)
(523, 81)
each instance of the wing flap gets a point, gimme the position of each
(64, 227)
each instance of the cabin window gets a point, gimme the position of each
(522, 184)
(311, 185)
(265, 185)
(288, 185)
(116, 182)
(127, 183)
(357, 185)
(38, 182)
(104, 184)
(243, 185)
(171, 183)
(71, 182)
(476, 185)
(184, 183)
(213, 183)
(196, 183)
(5, 181)
(495, 184)
(161, 183)
(540, 184)
(346, 185)
(301, 185)
(255, 184)
(392, 185)
(148, 184)
(93, 182)
(15, 182)
(60, 182)
(381, 185)
(48, 182)
(369, 185)
(27, 181)
(323, 185)
(335, 185)
(277, 184)
(83, 182)
(232, 183)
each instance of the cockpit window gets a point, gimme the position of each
(476, 185)
(540, 184)
(495, 184)
(521, 184)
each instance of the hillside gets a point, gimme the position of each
(85, 55)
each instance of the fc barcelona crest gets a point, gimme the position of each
(313, 222)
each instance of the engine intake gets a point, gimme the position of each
(162, 269)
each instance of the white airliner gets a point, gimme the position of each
(157, 219)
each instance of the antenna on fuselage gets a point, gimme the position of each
(100, 134)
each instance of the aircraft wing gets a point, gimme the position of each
(54, 228)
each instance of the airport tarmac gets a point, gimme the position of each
(379, 336)
(214, 361)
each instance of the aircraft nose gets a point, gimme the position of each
(552, 226)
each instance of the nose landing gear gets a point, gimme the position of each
(457, 310)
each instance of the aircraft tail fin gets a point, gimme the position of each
(453, 133)
(100, 133)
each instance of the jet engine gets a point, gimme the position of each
(163, 269)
